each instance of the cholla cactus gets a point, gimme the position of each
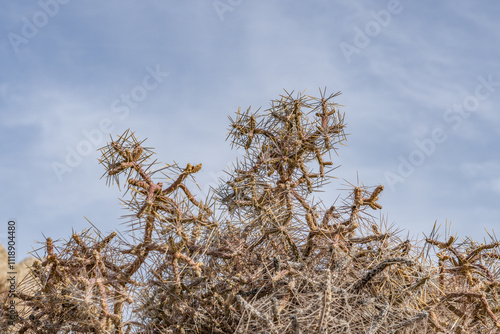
(260, 254)
(269, 188)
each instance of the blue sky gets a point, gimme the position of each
(420, 83)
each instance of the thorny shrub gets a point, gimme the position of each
(260, 255)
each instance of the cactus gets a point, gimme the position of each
(260, 254)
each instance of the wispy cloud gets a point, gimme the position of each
(65, 81)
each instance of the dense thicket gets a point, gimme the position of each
(261, 254)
